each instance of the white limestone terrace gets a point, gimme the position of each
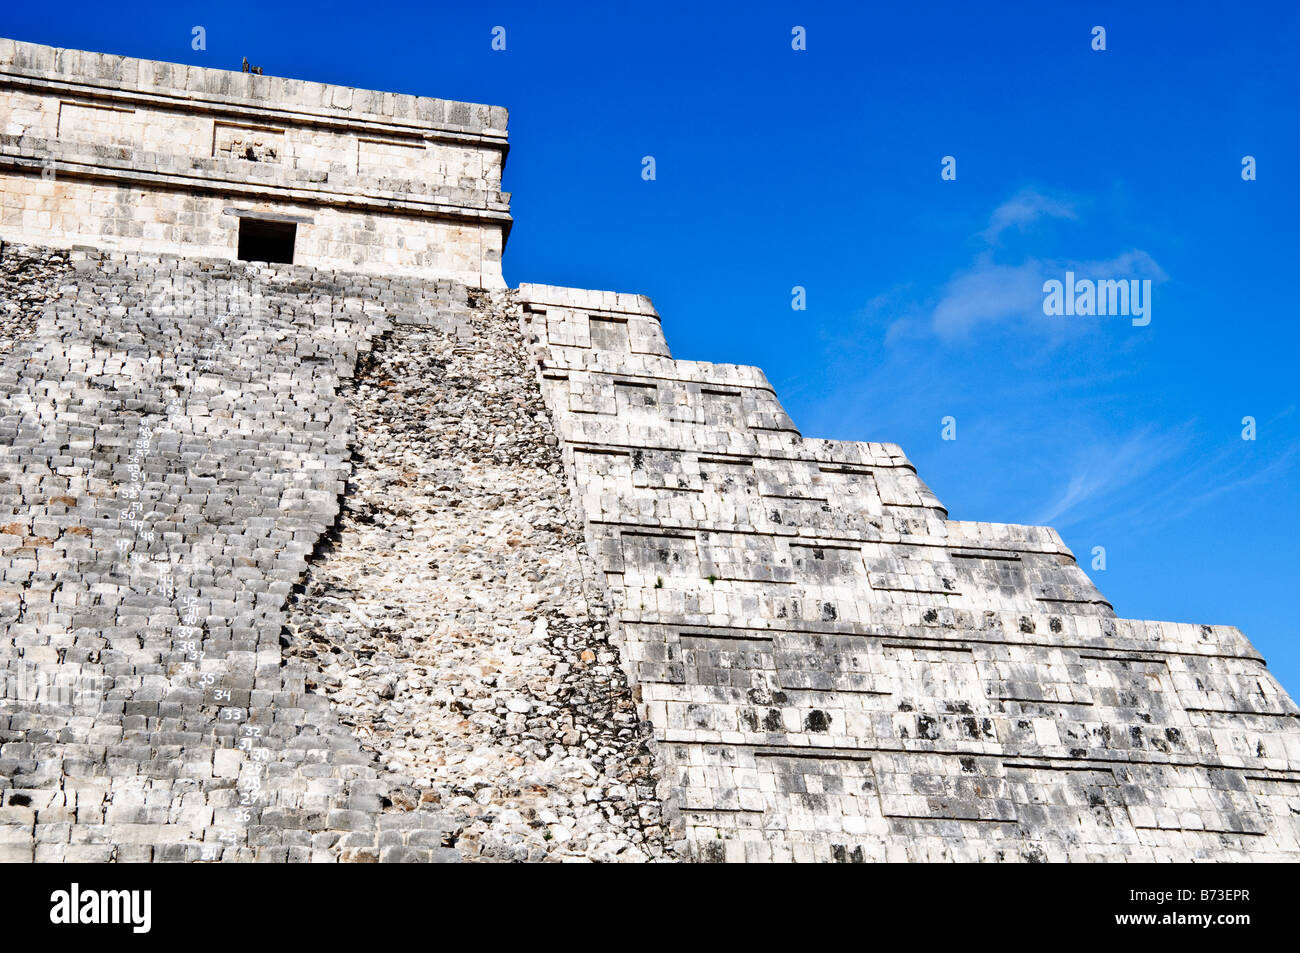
(838, 672)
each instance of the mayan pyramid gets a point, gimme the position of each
(320, 543)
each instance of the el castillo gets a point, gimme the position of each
(321, 544)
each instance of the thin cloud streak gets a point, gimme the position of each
(1103, 469)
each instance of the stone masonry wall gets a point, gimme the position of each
(836, 671)
(205, 658)
(159, 157)
(449, 617)
(170, 450)
(173, 445)
(63, 210)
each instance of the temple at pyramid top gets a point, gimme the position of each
(158, 157)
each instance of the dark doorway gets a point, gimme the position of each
(261, 240)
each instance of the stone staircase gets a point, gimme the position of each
(173, 448)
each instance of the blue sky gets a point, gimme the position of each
(821, 168)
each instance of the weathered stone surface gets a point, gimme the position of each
(179, 433)
(358, 563)
(153, 157)
(836, 671)
(172, 430)
(29, 280)
(447, 615)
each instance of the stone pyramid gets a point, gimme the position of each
(319, 543)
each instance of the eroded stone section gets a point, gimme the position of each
(448, 622)
(30, 280)
(177, 435)
(838, 672)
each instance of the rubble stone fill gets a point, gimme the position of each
(448, 617)
(29, 280)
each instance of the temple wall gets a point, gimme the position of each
(154, 157)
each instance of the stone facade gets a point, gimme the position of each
(838, 672)
(162, 158)
(173, 447)
(451, 620)
(366, 558)
(177, 684)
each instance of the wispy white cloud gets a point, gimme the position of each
(1123, 484)
(1134, 263)
(985, 293)
(1024, 208)
(988, 292)
(1262, 475)
(1103, 468)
